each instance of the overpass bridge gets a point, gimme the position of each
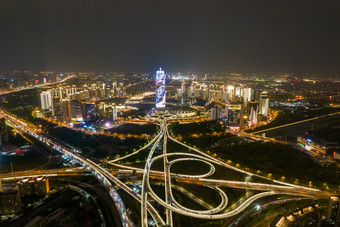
(169, 203)
(107, 179)
(43, 173)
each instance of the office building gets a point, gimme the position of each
(264, 102)
(235, 115)
(66, 110)
(231, 91)
(213, 114)
(114, 113)
(57, 108)
(45, 100)
(76, 111)
(89, 111)
(247, 95)
(333, 211)
(252, 110)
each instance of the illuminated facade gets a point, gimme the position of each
(264, 101)
(45, 100)
(160, 88)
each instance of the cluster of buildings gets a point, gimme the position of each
(311, 216)
(19, 79)
(10, 195)
(238, 105)
(78, 104)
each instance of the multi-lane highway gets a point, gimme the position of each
(103, 175)
(45, 173)
(297, 122)
(169, 203)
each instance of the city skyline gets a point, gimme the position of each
(170, 113)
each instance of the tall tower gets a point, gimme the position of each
(114, 112)
(45, 100)
(160, 88)
(264, 100)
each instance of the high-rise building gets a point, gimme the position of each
(213, 114)
(252, 112)
(45, 100)
(264, 101)
(86, 94)
(333, 212)
(219, 94)
(247, 95)
(183, 89)
(60, 93)
(211, 94)
(101, 109)
(3, 131)
(76, 111)
(74, 89)
(68, 91)
(57, 109)
(179, 92)
(235, 115)
(66, 110)
(205, 93)
(231, 91)
(257, 94)
(226, 111)
(89, 111)
(10, 201)
(238, 91)
(219, 112)
(160, 88)
(53, 92)
(114, 88)
(225, 96)
(114, 113)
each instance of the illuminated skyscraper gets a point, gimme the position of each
(231, 91)
(114, 113)
(160, 88)
(252, 112)
(264, 103)
(45, 100)
(247, 95)
(66, 110)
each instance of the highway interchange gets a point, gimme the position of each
(170, 204)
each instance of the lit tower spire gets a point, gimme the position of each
(160, 88)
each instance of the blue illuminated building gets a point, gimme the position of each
(160, 88)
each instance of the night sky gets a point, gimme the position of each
(179, 35)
